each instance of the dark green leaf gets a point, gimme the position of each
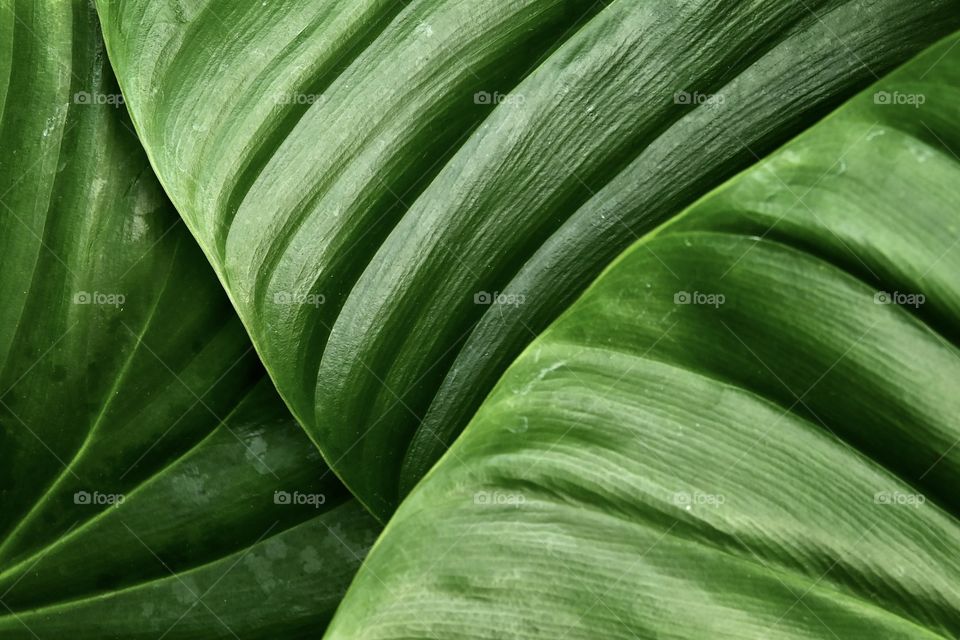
(143, 449)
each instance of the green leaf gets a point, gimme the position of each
(746, 428)
(366, 176)
(145, 454)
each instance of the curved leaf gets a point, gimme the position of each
(746, 428)
(241, 536)
(142, 444)
(367, 176)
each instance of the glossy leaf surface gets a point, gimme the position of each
(147, 465)
(398, 196)
(746, 428)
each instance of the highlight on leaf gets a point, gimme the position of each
(479, 319)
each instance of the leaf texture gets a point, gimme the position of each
(399, 196)
(143, 448)
(746, 428)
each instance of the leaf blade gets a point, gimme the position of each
(360, 213)
(777, 462)
(124, 373)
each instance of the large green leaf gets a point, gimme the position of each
(124, 372)
(734, 433)
(364, 176)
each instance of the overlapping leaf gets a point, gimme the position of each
(399, 196)
(149, 469)
(746, 428)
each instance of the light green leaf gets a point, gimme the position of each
(746, 428)
(366, 176)
(144, 452)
